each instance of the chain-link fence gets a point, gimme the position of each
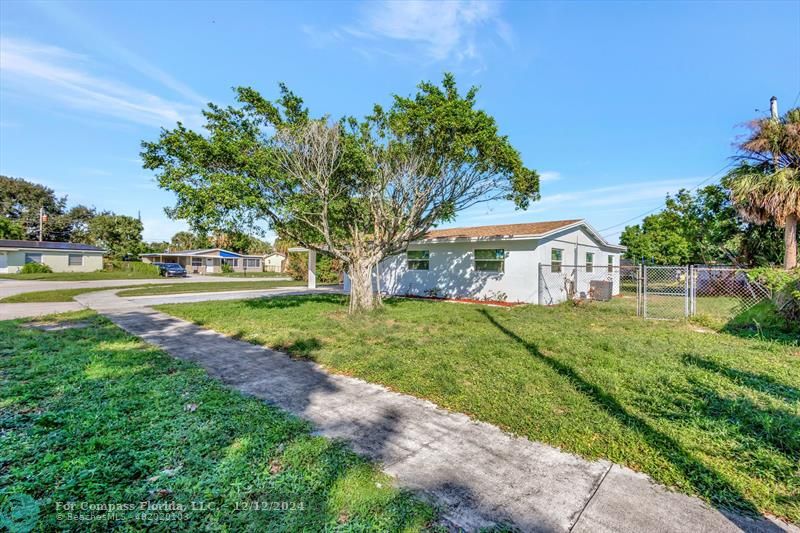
(720, 293)
(655, 292)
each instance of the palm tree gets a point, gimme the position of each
(766, 184)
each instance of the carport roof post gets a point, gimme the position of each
(312, 264)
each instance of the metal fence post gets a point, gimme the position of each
(688, 271)
(644, 291)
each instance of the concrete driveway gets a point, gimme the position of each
(23, 310)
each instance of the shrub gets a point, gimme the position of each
(226, 268)
(115, 265)
(328, 268)
(35, 268)
(785, 287)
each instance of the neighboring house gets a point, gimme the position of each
(274, 262)
(59, 256)
(529, 263)
(208, 261)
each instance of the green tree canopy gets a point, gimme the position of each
(120, 235)
(702, 228)
(10, 229)
(358, 190)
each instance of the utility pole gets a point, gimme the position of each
(773, 108)
(41, 221)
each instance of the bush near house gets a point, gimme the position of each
(35, 268)
(138, 268)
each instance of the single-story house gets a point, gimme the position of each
(274, 262)
(537, 262)
(208, 261)
(59, 256)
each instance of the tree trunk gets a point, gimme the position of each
(790, 240)
(362, 297)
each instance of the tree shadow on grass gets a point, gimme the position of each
(285, 301)
(765, 384)
(703, 479)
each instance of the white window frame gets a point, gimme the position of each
(589, 262)
(555, 264)
(197, 261)
(71, 256)
(29, 258)
(499, 258)
(611, 263)
(250, 262)
(417, 262)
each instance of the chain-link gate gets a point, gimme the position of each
(665, 292)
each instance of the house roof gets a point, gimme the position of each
(513, 231)
(208, 252)
(527, 229)
(49, 245)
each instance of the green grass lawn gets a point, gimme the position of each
(95, 415)
(67, 295)
(209, 286)
(712, 414)
(81, 276)
(56, 295)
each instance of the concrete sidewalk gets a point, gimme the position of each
(478, 474)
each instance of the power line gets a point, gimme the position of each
(714, 175)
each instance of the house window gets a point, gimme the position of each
(251, 263)
(418, 259)
(490, 260)
(230, 261)
(589, 262)
(555, 259)
(33, 258)
(75, 260)
(197, 261)
(611, 263)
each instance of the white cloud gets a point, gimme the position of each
(448, 30)
(97, 39)
(586, 203)
(60, 75)
(549, 175)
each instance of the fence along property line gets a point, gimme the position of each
(665, 292)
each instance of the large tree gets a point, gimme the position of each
(765, 186)
(120, 235)
(357, 190)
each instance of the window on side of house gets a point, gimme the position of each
(556, 255)
(33, 258)
(418, 259)
(197, 261)
(251, 263)
(589, 262)
(490, 260)
(74, 260)
(611, 263)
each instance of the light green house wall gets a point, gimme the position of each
(56, 260)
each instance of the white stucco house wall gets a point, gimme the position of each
(59, 256)
(509, 262)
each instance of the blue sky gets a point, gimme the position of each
(615, 104)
